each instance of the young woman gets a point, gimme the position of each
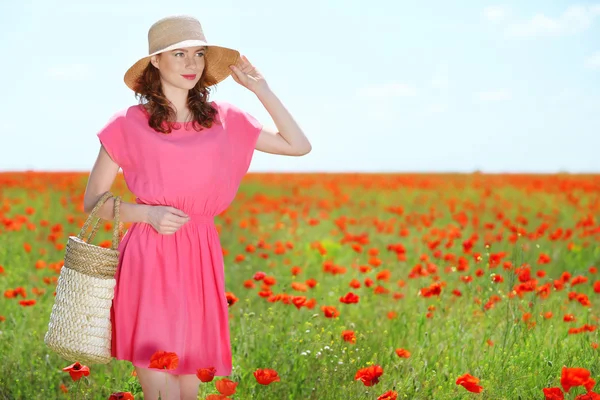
(183, 157)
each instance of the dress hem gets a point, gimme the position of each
(170, 371)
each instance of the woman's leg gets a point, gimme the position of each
(188, 386)
(156, 382)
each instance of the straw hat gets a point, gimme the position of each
(178, 31)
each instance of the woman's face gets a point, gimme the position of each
(174, 64)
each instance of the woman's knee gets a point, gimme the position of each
(155, 383)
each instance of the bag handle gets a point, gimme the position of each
(117, 232)
(118, 224)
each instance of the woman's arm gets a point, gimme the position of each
(289, 140)
(100, 181)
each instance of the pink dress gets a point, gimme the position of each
(170, 290)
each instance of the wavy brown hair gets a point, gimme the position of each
(148, 90)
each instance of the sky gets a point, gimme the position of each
(377, 86)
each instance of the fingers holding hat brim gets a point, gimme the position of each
(218, 60)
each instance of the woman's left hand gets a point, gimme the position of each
(247, 75)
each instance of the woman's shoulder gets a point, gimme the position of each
(227, 109)
(128, 112)
(134, 111)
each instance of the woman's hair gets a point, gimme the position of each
(148, 88)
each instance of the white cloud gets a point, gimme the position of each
(593, 61)
(495, 13)
(494, 95)
(575, 19)
(387, 90)
(70, 72)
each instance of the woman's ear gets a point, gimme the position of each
(154, 61)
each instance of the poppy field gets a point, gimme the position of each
(347, 286)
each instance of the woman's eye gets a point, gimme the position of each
(177, 54)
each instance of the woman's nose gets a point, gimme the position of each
(192, 62)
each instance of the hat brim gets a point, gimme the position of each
(218, 60)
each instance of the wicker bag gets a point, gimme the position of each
(80, 327)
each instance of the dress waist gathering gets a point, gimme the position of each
(196, 217)
(202, 218)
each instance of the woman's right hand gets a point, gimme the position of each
(166, 220)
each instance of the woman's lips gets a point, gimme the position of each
(190, 77)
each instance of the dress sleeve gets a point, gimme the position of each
(244, 130)
(111, 137)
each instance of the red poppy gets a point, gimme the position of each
(76, 370)
(349, 336)
(553, 394)
(311, 303)
(544, 259)
(588, 396)
(231, 299)
(311, 283)
(226, 386)
(121, 396)
(269, 280)
(206, 374)
(216, 397)
(330, 311)
(403, 353)
(470, 383)
(258, 276)
(298, 301)
(389, 395)
(572, 377)
(299, 286)
(266, 376)
(369, 375)
(164, 360)
(295, 270)
(349, 298)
